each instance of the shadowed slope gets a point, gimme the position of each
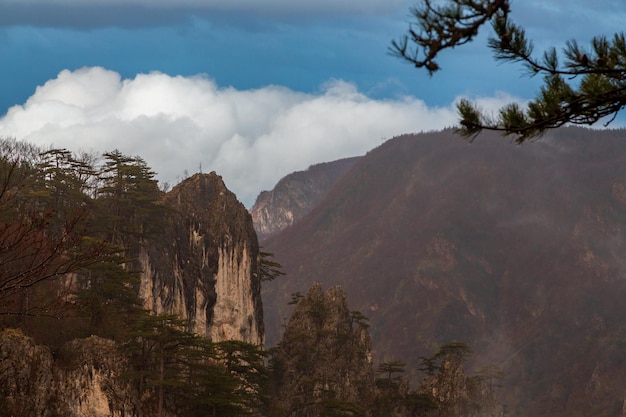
(517, 251)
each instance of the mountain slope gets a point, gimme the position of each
(517, 251)
(295, 196)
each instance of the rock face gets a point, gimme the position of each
(323, 361)
(458, 395)
(203, 267)
(80, 382)
(295, 196)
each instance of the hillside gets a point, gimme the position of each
(517, 251)
(295, 196)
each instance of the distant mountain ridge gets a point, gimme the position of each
(295, 195)
(516, 250)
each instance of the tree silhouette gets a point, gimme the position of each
(42, 230)
(582, 85)
(269, 269)
(175, 369)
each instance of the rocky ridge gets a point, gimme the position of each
(324, 357)
(295, 195)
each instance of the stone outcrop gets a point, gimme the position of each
(457, 395)
(323, 361)
(295, 195)
(203, 267)
(81, 380)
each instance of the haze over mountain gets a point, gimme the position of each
(295, 196)
(515, 250)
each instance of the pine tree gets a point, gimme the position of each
(179, 370)
(42, 229)
(269, 269)
(129, 199)
(581, 86)
(108, 297)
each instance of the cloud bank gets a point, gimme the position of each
(187, 124)
(85, 14)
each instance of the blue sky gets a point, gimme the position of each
(252, 89)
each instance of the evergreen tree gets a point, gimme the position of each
(581, 86)
(246, 362)
(179, 370)
(109, 298)
(42, 230)
(161, 352)
(269, 269)
(129, 199)
(388, 371)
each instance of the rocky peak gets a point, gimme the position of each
(204, 265)
(457, 394)
(323, 361)
(295, 196)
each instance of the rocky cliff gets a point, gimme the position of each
(323, 362)
(203, 265)
(295, 195)
(323, 367)
(455, 394)
(81, 380)
(198, 260)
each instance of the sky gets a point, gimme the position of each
(251, 89)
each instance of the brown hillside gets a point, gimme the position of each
(295, 195)
(516, 250)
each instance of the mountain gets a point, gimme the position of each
(192, 257)
(295, 196)
(203, 265)
(517, 251)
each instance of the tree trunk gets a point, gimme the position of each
(161, 383)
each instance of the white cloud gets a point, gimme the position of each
(252, 138)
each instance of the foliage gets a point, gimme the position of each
(42, 229)
(388, 371)
(358, 318)
(581, 86)
(69, 223)
(179, 370)
(269, 269)
(109, 298)
(128, 198)
(322, 365)
(457, 351)
(296, 297)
